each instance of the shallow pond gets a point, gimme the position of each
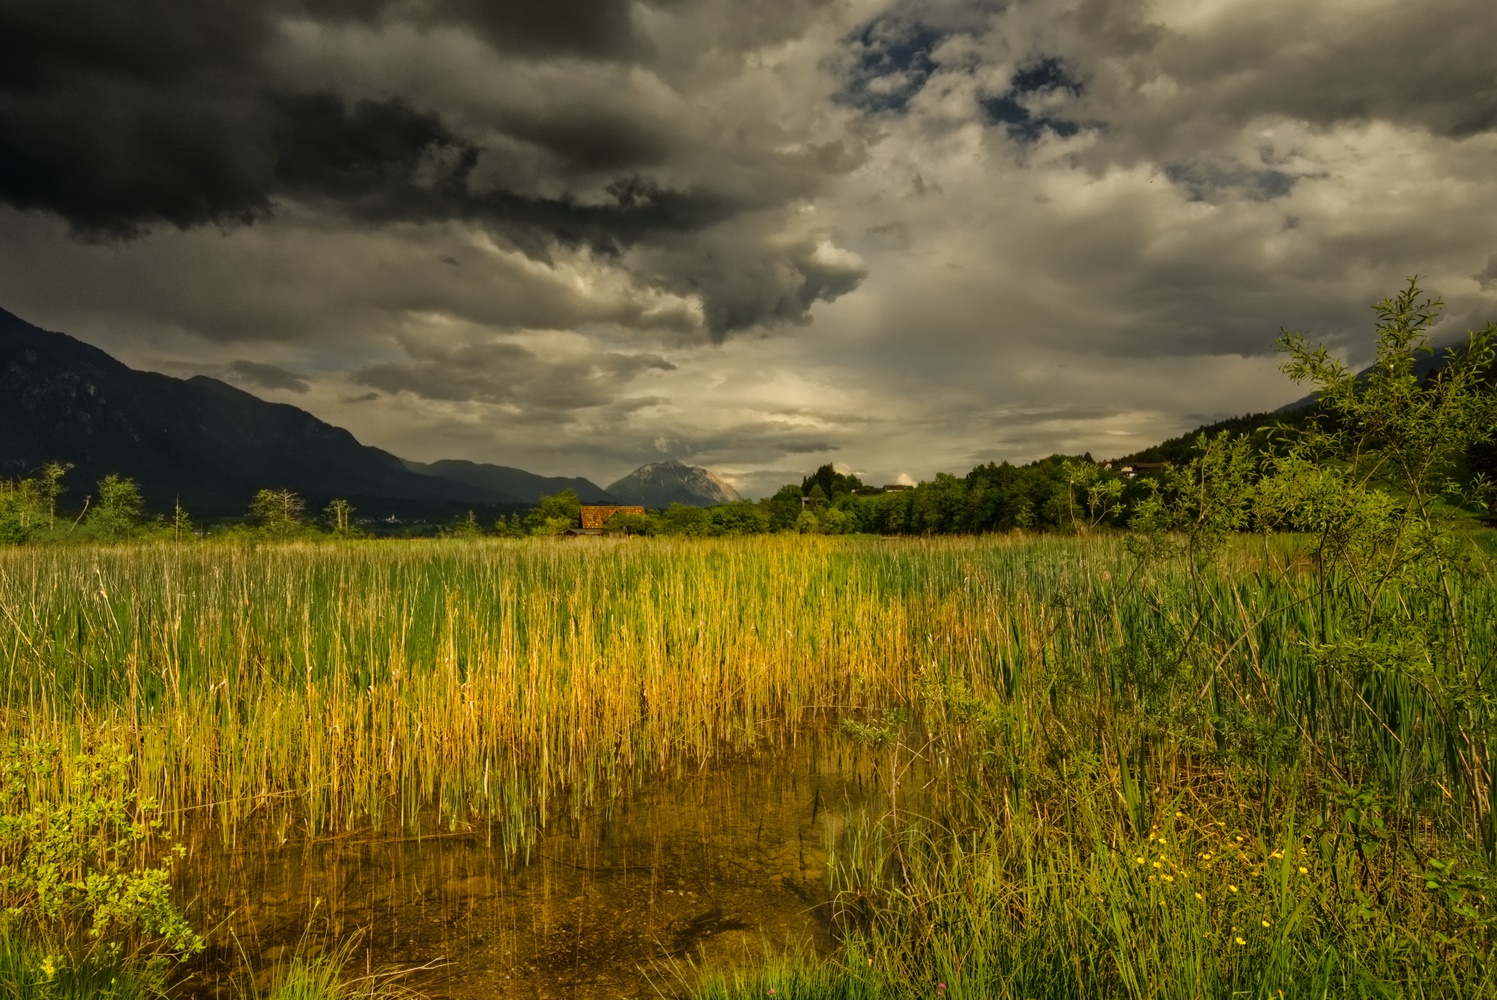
(709, 868)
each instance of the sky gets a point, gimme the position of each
(901, 236)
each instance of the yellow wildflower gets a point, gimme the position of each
(1240, 940)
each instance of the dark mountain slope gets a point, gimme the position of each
(200, 440)
(527, 487)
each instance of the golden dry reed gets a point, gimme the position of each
(481, 675)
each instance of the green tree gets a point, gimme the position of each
(784, 507)
(181, 525)
(279, 512)
(510, 527)
(28, 507)
(339, 517)
(833, 483)
(684, 519)
(741, 517)
(624, 523)
(465, 527)
(553, 515)
(115, 513)
(1093, 495)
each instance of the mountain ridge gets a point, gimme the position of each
(527, 487)
(660, 484)
(198, 441)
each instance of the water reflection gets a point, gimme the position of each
(711, 867)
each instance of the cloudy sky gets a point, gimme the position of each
(757, 235)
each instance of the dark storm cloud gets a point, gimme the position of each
(138, 114)
(510, 374)
(120, 115)
(602, 29)
(266, 376)
(1426, 65)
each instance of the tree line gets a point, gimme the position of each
(115, 512)
(1434, 425)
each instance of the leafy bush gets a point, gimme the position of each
(74, 873)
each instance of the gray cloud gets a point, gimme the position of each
(510, 375)
(1487, 278)
(142, 118)
(913, 235)
(266, 376)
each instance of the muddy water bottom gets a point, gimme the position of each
(713, 869)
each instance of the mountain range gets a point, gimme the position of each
(209, 446)
(526, 487)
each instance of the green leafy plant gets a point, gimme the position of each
(75, 876)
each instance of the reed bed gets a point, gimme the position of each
(483, 676)
(1060, 710)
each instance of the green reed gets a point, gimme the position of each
(1069, 706)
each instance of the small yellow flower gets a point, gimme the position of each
(1162, 841)
(1179, 814)
(1264, 922)
(1303, 870)
(1168, 878)
(1200, 897)
(1139, 860)
(1277, 854)
(1240, 940)
(1156, 864)
(48, 967)
(1206, 856)
(1231, 888)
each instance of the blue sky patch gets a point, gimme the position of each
(1010, 109)
(892, 62)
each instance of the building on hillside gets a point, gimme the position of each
(1135, 469)
(595, 517)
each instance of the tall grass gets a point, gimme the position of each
(486, 675)
(1072, 712)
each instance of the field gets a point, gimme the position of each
(1099, 770)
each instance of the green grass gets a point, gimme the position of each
(1063, 708)
(28, 972)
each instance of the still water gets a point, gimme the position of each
(707, 869)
